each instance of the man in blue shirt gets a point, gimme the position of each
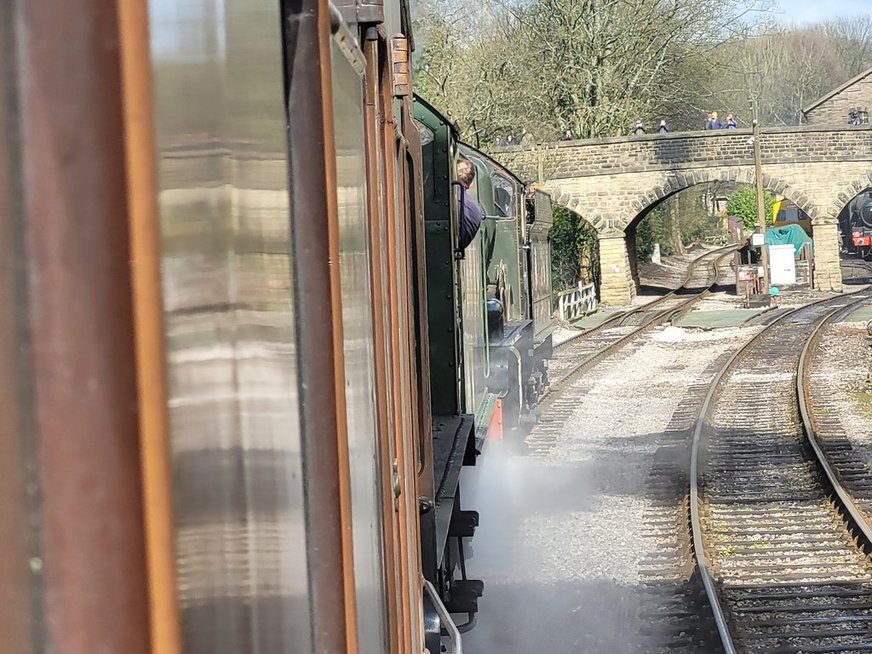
(473, 214)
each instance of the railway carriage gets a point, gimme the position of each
(243, 361)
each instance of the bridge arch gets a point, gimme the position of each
(649, 198)
(819, 168)
(575, 203)
(849, 192)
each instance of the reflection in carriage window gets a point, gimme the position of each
(427, 162)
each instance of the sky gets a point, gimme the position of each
(808, 11)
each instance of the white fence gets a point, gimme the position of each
(578, 302)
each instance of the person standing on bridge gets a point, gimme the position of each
(639, 128)
(663, 127)
(716, 122)
(731, 121)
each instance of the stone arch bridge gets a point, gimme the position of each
(613, 182)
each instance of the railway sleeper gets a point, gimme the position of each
(810, 564)
(769, 554)
(790, 578)
(829, 648)
(749, 597)
(825, 618)
(771, 531)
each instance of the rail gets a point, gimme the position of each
(857, 520)
(653, 314)
(703, 563)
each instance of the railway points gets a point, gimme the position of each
(591, 345)
(856, 270)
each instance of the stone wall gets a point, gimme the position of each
(834, 110)
(616, 281)
(612, 182)
(827, 269)
(685, 151)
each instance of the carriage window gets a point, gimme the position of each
(503, 196)
(426, 160)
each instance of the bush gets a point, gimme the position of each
(650, 231)
(743, 204)
(574, 251)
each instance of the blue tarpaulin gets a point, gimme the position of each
(793, 234)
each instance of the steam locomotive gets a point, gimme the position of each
(857, 225)
(490, 323)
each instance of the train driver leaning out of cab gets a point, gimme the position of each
(473, 214)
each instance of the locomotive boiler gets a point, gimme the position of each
(857, 225)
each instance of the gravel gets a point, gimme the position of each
(720, 301)
(842, 366)
(559, 546)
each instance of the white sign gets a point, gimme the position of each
(782, 264)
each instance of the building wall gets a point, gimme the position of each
(834, 111)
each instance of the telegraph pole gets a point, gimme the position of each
(761, 207)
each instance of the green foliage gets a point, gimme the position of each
(695, 223)
(743, 204)
(679, 221)
(574, 251)
(698, 228)
(650, 231)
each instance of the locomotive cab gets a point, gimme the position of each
(518, 271)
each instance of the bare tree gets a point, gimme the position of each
(851, 37)
(588, 66)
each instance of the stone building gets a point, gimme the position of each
(849, 104)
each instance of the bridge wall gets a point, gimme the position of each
(611, 182)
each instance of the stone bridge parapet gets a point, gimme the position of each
(612, 182)
(687, 150)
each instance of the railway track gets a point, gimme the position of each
(675, 609)
(856, 271)
(778, 540)
(847, 467)
(580, 352)
(592, 346)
